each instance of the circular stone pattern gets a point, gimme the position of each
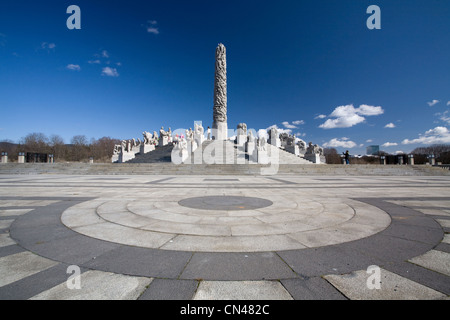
(226, 223)
(225, 203)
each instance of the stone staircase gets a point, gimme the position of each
(165, 168)
(219, 158)
(160, 154)
(226, 152)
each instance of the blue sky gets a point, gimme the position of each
(312, 67)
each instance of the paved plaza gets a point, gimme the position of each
(211, 237)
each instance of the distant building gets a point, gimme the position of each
(372, 150)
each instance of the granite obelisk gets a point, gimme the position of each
(220, 127)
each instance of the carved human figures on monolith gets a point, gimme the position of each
(220, 127)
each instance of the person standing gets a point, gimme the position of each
(347, 157)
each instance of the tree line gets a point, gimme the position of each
(80, 148)
(441, 153)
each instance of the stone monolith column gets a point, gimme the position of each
(220, 126)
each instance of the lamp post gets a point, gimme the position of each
(411, 159)
(431, 159)
(4, 157)
(383, 160)
(21, 157)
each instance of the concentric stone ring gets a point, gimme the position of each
(226, 223)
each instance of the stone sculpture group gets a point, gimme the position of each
(256, 147)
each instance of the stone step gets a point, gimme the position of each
(160, 154)
(218, 169)
(230, 153)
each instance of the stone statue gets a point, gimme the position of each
(314, 149)
(147, 137)
(301, 145)
(117, 149)
(162, 133)
(198, 129)
(124, 146)
(189, 134)
(321, 152)
(182, 144)
(251, 138)
(262, 144)
(273, 133)
(284, 137)
(176, 142)
(290, 141)
(242, 128)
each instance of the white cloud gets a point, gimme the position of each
(73, 67)
(347, 116)
(366, 110)
(280, 130)
(389, 144)
(448, 103)
(320, 116)
(263, 133)
(294, 124)
(432, 103)
(105, 54)
(151, 27)
(3, 40)
(343, 142)
(432, 136)
(444, 117)
(342, 122)
(48, 46)
(287, 125)
(152, 30)
(94, 61)
(369, 140)
(390, 125)
(110, 72)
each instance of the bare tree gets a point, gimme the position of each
(57, 147)
(102, 149)
(35, 142)
(80, 148)
(332, 156)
